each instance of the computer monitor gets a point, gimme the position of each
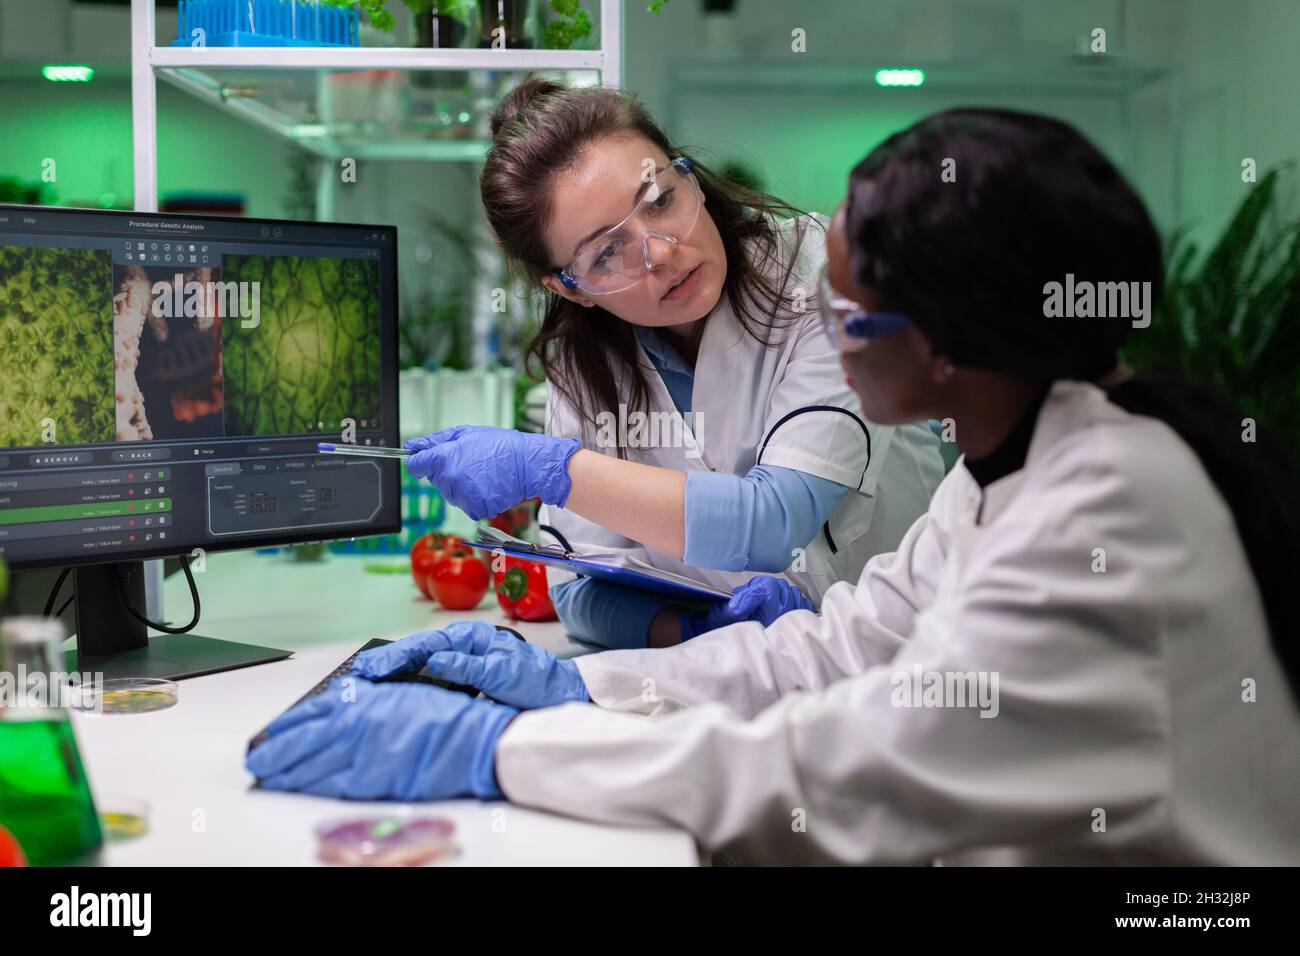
(164, 380)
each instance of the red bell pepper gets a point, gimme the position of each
(521, 589)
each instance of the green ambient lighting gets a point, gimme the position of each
(67, 74)
(900, 77)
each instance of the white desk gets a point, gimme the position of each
(188, 762)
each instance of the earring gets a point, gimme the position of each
(948, 370)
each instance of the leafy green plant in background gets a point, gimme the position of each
(300, 196)
(572, 22)
(435, 330)
(526, 416)
(56, 345)
(435, 333)
(569, 24)
(375, 10)
(27, 193)
(1231, 320)
(380, 18)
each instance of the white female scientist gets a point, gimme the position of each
(679, 299)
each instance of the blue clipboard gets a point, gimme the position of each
(628, 577)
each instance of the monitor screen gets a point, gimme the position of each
(164, 380)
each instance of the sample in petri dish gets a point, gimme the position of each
(128, 695)
(122, 818)
(394, 840)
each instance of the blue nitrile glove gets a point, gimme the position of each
(483, 471)
(476, 653)
(399, 741)
(763, 599)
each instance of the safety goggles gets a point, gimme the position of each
(619, 258)
(848, 325)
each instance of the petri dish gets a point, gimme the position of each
(386, 840)
(122, 817)
(128, 695)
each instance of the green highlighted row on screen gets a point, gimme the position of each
(114, 509)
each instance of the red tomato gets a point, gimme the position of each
(517, 520)
(458, 579)
(425, 552)
(11, 854)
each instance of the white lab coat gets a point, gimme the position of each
(1120, 691)
(787, 405)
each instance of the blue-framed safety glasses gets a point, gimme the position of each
(849, 326)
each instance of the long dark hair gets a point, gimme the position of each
(540, 129)
(1033, 200)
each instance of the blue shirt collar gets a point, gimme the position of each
(665, 357)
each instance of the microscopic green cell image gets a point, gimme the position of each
(56, 345)
(310, 358)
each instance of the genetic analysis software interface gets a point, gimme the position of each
(164, 381)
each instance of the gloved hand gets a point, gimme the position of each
(399, 741)
(476, 653)
(762, 599)
(483, 471)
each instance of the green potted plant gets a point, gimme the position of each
(440, 24)
(375, 11)
(1231, 319)
(568, 24)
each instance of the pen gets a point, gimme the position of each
(368, 451)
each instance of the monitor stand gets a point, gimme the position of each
(112, 642)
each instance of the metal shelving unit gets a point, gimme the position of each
(195, 70)
(198, 70)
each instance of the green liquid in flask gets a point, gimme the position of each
(45, 801)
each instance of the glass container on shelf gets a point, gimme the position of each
(516, 21)
(437, 100)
